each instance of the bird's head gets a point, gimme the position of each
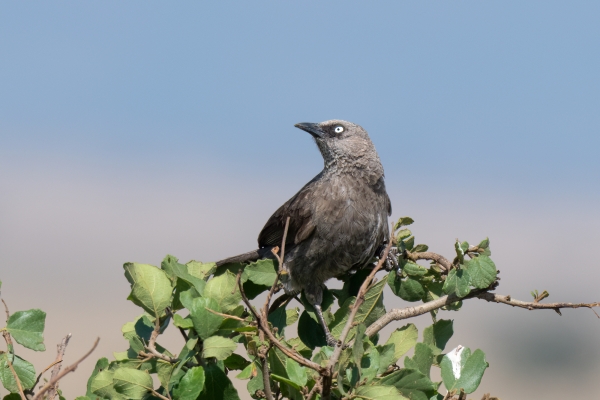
(344, 145)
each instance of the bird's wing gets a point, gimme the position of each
(301, 222)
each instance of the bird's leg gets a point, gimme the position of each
(331, 341)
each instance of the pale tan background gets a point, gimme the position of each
(67, 234)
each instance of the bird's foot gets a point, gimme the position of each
(331, 341)
(391, 262)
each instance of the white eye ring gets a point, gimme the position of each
(338, 129)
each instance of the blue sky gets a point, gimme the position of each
(129, 130)
(506, 92)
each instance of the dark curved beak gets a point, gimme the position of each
(313, 129)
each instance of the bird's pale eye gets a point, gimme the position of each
(338, 129)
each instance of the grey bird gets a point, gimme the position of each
(338, 220)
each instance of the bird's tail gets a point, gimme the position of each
(241, 258)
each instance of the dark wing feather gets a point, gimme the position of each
(301, 226)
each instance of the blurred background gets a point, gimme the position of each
(132, 130)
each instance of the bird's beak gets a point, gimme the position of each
(313, 129)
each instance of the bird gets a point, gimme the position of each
(338, 222)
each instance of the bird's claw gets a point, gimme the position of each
(391, 262)
(331, 341)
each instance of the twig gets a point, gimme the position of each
(265, 309)
(64, 372)
(314, 390)
(6, 309)
(264, 326)
(398, 314)
(60, 352)
(326, 389)
(226, 315)
(151, 347)
(11, 352)
(427, 255)
(160, 396)
(534, 305)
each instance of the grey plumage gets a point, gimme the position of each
(338, 220)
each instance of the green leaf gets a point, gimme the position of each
(414, 269)
(484, 244)
(217, 385)
(223, 289)
(437, 335)
(411, 290)
(420, 248)
(218, 347)
(370, 362)
(369, 311)
(261, 272)
(151, 288)
(201, 270)
(205, 322)
(403, 234)
(190, 385)
(379, 393)
(300, 347)
(463, 370)
(171, 263)
(460, 254)
(387, 356)
(457, 282)
(422, 359)
(235, 361)
(310, 331)
(102, 385)
(131, 383)
(296, 373)
(482, 271)
(183, 323)
(291, 315)
(411, 383)
(358, 349)
(247, 372)
(282, 379)
(27, 328)
(24, 370)
(404, 339)
(403, 221)
(278, 319)
(101, 365)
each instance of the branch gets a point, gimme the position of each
(151, 347)
(534, 305)
(441, 260)
(398, 314)
(264, 326)
(57, 365)
(70, 368)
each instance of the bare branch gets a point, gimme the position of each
(314, 390)
(534, 305)
(427, 255)
(151, 347)
(60, 352)
(264, 326)
(6, 310)
(70, 368)
(398, 314)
